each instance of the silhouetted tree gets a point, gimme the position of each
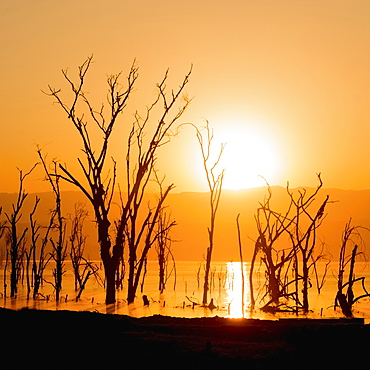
(146, 235)
(15, 240)
(2, 225)
(98, 185)
(287, 244)
(272, 226)
(2, 230)
(304, 237)
(163, 243)
(82, 268)
(347, 261)
(164, 249)
(214, 182)
(37, 251)
(59, 247)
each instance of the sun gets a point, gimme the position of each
(249, 158)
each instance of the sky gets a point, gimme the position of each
(285, 84)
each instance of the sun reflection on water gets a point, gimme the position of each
(234, 290)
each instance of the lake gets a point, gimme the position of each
(183, 294)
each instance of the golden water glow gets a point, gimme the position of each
(234, 290)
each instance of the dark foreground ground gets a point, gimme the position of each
(83, 340)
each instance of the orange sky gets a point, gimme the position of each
(293, 74)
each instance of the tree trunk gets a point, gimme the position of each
(206, 275)
(305, 286)
(131, 291)
(14, 258)
(110, 286)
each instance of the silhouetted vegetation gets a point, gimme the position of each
(214, 182)
(287, 248)
(163, 248)
(287, 245)
(15, 238)
(140, 165)
(37, 251)
(347, 260)
(59, 246)
(82, 267)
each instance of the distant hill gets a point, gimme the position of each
(191, 212)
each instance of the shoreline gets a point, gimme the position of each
(71, 339)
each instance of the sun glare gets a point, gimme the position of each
(248, 158)
(234, 288)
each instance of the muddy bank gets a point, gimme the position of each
(85, 340)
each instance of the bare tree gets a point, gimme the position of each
(146, 235)
(77, 240)
(98, 185)
(16, 241)
(59, 247)
(272, 226)
(83, 269)
(214, 182)
(2, 231)
(37, 251)
(2, 224)
(164, 250)
(304, 236)
(287, 244)
(163, 242)
(347, 262)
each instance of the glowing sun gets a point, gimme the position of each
(249, 157)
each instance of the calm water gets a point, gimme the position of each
(182, 296)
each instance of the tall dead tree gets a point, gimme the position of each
(144, 235)
(164, 250)
(272, 226)
(37, 250)
(16, 240)
(347, 260)
(287, 246)
(214, 182)
(3, 228)
(59, 247)
(82, 267)
(98, 184)
(304, 236)
(163, 244)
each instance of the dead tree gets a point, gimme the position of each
(304, 237)
(164, 249)
(36, 255)
(163, 243)
(77, 241)
(347, 260)
(272, 227)
(98, 184)
(3, 228)
(287, 245)
(146, 236)
(59, 247)
(214, 182)
(83, 269)
(39, 260)
(16, 241)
